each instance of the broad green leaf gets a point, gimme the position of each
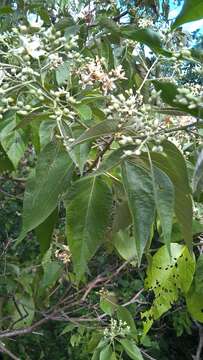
(168, 277)
(113, 356)
(24, 315)
(112, 160)
(198, 279)
(173, 164)
(124, 315)
(14, 145)
(138, 185)
(131, 349)
(88, 209)
(195, 305)
(46, 132)
(5, 163)
(62, 73)
(108, 303)
(106, 353)
(192, 10)
(104, 128)
(84, 111)
(169, 91)
(122, 218)
(145, 36)
(164, 200)
(50, 179)
(125, 245)
(45, 230)
(79, 155)
(52, 272)
(198, 175)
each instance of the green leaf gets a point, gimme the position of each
(192, 10)
(52, 272)
(113, 356)
(195, 305)
(14, 145)
(168, 277)
(131, 349)
(106, 353)
(198, 175)
(164, 200)
(5, 163)
(104, 128)
(198, 279)
(173, 164)
(62, 73)
(24, 315)
(79, 155)
(145, 36)
(125, 245)
(122, 218)
(46, 132)
(84, 111)
(169, 91)
(45, 230)
(125, 315)
(50, 179)
(138, 185)
(108, 303)
(88, 209)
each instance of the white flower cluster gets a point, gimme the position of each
(116, 329)
(64, 254)
(93, 72)
(145, 23)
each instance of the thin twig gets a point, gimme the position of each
(4, 350)
(200, 343)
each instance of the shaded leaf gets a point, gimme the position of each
(106, 353)
(198, 175)
(131, 349)
(88, 209)
(45, 230)
(42, 191)
(139, 189)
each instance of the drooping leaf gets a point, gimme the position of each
(106, 353)
(169, 91)
(45, 230)
(131, 349)
(5, 163)
(24, 315)
(52, 272)
(195, 304)
(62, 73)
(168, 277)
(108, 303)
(46, 131)
(125, 245)
(198, 175)
(104, 128)
(164, 200)
(88, 208)
(42, 191)
(173, 164)
(138, 185)
(145, 36)
(14, 145)
(198, 279)
(192, 10)
(124, 315)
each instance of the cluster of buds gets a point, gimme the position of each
(124, 108)
(64, 254)
(187, 97)
(93, 72)
(118, 328)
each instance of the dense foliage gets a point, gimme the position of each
(101, 117)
